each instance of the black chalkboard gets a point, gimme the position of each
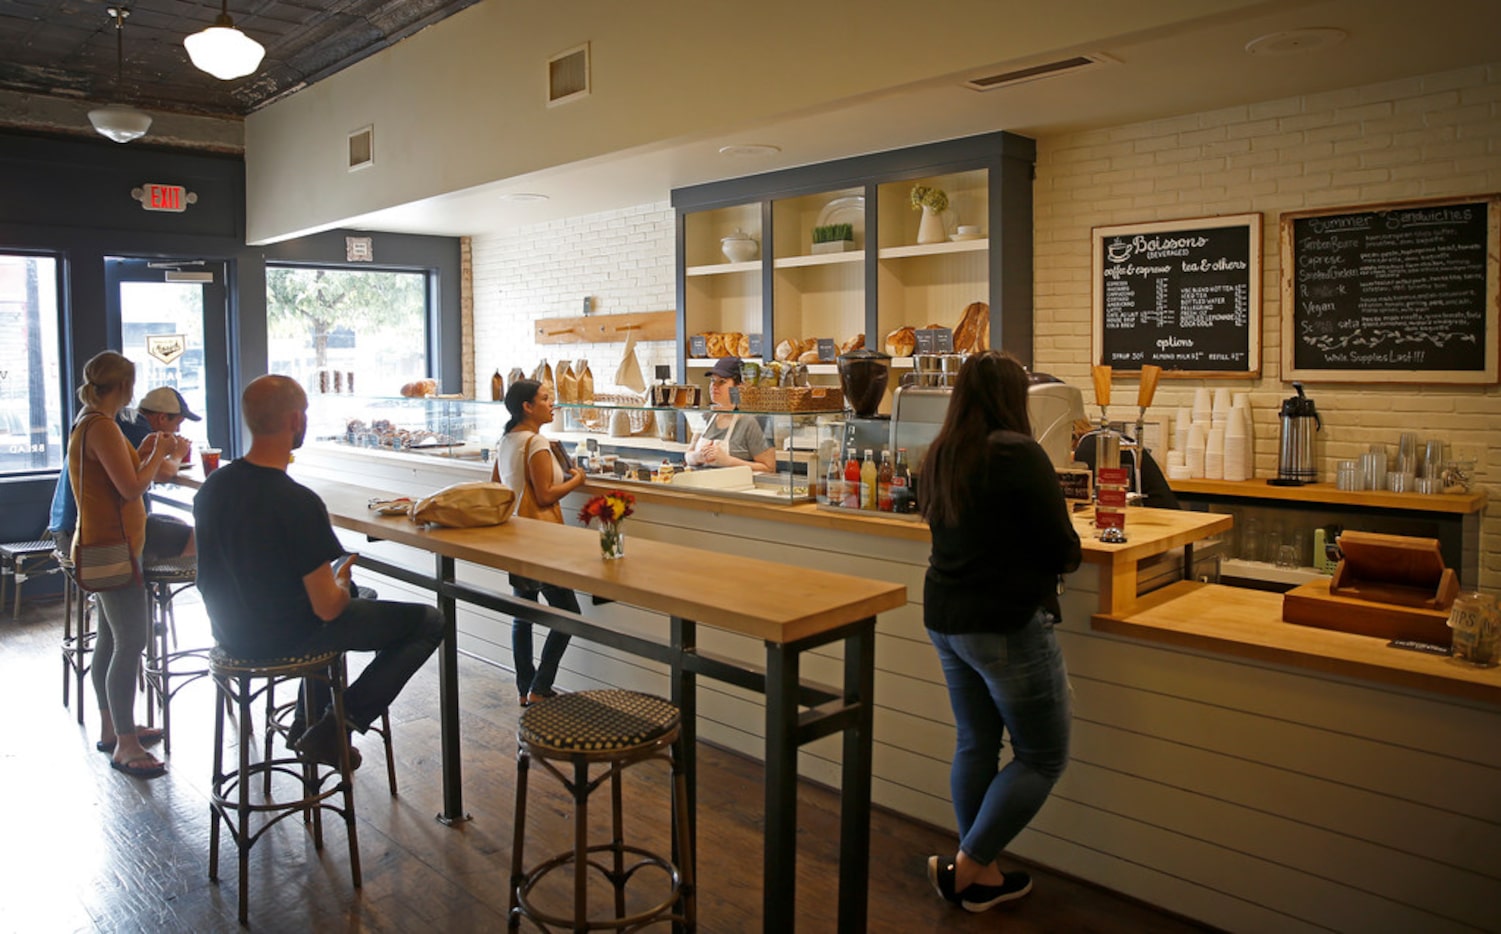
(1395, 292)
(1182, 295)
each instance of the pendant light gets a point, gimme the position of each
(119, 122)
(222, 50)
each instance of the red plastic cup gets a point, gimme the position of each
(210, 458)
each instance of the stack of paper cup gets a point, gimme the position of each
(1195, 451)
(1221, 409)
(1214, 455)
(1203, 411)
(1242, 408)
(1235, 445)
(1180, 428)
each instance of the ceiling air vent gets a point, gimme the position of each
(1034, 72)
(362, 148)
(568, 75)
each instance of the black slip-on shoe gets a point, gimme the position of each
(979, 898)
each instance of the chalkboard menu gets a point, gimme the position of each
(1392, 293)
(1183, 295)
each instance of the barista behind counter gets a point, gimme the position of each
(730, 439)
(1154, 488)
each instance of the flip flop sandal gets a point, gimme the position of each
(139, 771)
(148, 737)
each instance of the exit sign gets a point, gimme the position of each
(155, 196)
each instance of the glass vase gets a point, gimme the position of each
(611, 541)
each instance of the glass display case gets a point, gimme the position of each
(435, 426)
(645, 445)
(868, 464)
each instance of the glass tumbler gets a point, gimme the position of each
(1347, 476)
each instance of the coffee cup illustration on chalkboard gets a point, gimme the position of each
(1119, 250)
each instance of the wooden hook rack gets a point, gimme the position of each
(599, 329)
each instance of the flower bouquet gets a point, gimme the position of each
(610, 509)
(932, 202)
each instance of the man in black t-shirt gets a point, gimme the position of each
(266, 573)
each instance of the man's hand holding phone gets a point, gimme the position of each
(342, 568)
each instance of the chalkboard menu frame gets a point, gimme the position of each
(1348, 294)
(1182, 264)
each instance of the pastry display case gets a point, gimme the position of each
(434, 426)
(641, 444)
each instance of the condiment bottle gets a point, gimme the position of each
(884, 478)
(852, 482)
(901, 484)
(834, 483)
(868, 473)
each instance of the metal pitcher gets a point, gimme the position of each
(1297, 463)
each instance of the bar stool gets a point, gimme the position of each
(165, 578)
(78, 635)
(14, 560)
(229, 799)
(279, 719)
(617, 729)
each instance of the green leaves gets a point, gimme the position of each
(830, 233)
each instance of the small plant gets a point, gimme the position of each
(934, 199)
(832, 233)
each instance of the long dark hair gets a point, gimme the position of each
(522, 392)
(990, 395)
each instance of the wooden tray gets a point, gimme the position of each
(1313, 605)
(1394, 569)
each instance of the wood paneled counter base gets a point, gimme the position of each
(791, 610)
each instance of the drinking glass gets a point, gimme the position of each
(1287, 557)
(1250, 540)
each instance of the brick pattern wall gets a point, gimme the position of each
(622, 259)
(1429, 137)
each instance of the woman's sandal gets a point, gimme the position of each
(148, 736)
(151, 769)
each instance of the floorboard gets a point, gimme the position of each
(85, 848)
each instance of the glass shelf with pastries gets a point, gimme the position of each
(463, 429)
(646, 445)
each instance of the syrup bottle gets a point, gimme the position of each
(852, 482)
(868, 471)
(884, 479)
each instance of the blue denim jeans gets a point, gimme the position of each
(1013, 683)
(538, 678)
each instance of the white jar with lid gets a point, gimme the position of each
(739, 247)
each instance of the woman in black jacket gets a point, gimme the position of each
(1002, 538)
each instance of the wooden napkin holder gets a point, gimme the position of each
(1390, 586)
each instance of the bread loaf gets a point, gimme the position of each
(901, 342)
(742, 345)
(855, 343)
(972, 333)
(420, 388)
(808, 356)
(787, 349)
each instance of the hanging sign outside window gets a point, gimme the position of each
(165, 347)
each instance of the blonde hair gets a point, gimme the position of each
(104, 372)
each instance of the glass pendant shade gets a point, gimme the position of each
(223, 51)
(120, 122)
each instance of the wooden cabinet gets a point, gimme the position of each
(885, 279)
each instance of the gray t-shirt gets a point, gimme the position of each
(743, 436)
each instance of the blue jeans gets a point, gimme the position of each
(402, 636)
(1012, 682)
(532, 678)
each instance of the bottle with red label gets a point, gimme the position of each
(852, 482)
(885, 476)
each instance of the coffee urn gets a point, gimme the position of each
(1296, 460)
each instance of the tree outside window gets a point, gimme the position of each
(329, 328)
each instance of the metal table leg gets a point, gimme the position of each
(448, 699)
(779, 861)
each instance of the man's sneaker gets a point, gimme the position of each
(941, 878)
(321, 744)
(985, 897)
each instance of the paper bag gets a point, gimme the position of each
(629, 372)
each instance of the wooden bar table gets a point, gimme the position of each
(791, 610)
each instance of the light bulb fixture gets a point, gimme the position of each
(119, 122)
(222, 50)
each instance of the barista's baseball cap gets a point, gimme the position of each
(167, 401)
(726, 368)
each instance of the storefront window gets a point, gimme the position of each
(347, 330)
(162, 328)
(31, 410)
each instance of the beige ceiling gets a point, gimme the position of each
(1186, 69)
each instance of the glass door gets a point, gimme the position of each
(172, 318)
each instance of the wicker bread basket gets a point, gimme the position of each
(791, 398)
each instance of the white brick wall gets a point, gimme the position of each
(1429, 137)
(623, 259)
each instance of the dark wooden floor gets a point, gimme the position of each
(85, 848)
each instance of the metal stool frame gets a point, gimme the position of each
(13, 559)
(681, 891)
(164, 581)
(78, 636)
(230, 791)
(279, 718)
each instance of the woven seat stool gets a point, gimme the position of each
(240, 683)
(614, 729)
(78, 634)
(16, 559)
(169, 669)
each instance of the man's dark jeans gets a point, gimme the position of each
(402, 636)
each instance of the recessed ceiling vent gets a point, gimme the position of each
(1034, 72)
(568, 76)
(362, 148)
